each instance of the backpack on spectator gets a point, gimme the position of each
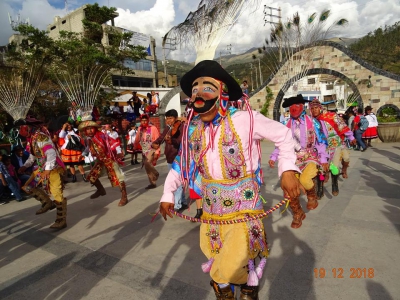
(363, 124)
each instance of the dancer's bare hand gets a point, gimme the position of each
(325, 167)
(271, 163)
(291, 185)
(155, 146)
(45, 174)
(164, 209)
(353, 142)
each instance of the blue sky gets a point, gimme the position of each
(156, 17)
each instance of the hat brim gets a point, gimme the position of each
(211, 68)
(294, 100)
(86, 124)
(33, 121)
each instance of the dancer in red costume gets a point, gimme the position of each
(109, 156)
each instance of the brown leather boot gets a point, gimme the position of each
(312, 199)
(124, 197)
(100, 190)
(222, 293)
(248, 292)
(61, 220)
(43, 198)
(298, 213)
(345, 165)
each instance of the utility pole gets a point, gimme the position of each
(255, 71)
(259, 69)
(251, 76)
(168, 44)
(271, 16)
(228, 51)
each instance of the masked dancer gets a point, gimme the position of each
(221, 149)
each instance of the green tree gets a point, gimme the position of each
(268, 98)
(381, 48)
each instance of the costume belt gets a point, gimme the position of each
(230, 198)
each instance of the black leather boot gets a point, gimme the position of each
(199, 213)
(335, 185)
(320, 188)
(73, 178)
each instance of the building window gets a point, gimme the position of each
(127, 81)
(64, 21)
(329, 87)
(311, 80)
(142, 65)
(52, 28)
(258, 100)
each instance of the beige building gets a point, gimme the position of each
(145, 70)
(172, 80)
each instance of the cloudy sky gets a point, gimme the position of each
(156, 17)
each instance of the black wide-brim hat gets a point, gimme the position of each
(293, 100)
(211, 68)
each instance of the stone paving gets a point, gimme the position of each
(111, 252)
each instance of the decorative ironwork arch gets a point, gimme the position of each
(316, 71)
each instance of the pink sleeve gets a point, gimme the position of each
(172, 182)
(279, 134)
(154, 133)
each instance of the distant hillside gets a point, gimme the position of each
(175, 67)
(238, 65)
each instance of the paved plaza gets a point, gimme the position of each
(348, 248)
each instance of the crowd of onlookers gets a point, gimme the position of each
(364, 124)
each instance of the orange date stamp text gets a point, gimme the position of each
(344, 273)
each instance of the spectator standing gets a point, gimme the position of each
(350, 121)
(155, 102)
(372, 130)
(130, 144)
(359, 129)
(130, 114)
(245, 87)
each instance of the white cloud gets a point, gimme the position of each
(39, 12)
(156, 17)
(155, 22)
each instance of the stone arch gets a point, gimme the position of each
(279, 97)
(338, 58)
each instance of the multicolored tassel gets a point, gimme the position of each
(260, 267)
(206, 267)
(252, 279)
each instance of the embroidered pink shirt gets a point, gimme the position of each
(264, 128)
